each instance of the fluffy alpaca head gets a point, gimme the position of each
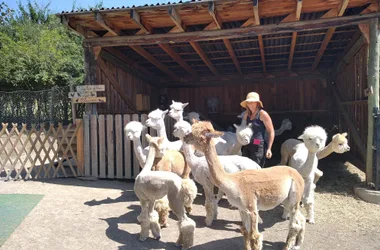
(314, 138)
(340, 143)
(133, 130)
(181, 129)
(244, 134)
(176, 110)
(202, 134)
(192, 115)
(158, 144)
(156, 119)
(286, 124)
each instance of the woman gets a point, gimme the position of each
(261, 121)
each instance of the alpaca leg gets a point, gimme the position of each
(256, 238)
(296, 230)
(162, 207)
(144, 220)
(153, 221)
(309, 201)
(186, 229)
(210, 205)
(219, 195)
(189, 190)
(318, 174)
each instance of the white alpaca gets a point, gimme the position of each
(305, 161)
(286, 124)
(253, 190)
(201, 172)
(156, 121)
(338, 144)
(176, 110)
(223, 145)
(154, 185)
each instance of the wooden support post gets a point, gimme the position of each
(373, 98)
(90, 76)
(73, 107)
(80, 146)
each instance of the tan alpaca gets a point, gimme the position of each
(253, 190)
(151, 186)
(172, 161)
(338, 144)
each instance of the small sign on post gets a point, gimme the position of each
(87, 94)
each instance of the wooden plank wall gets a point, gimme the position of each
(131, 85)
(351, 82)
(304, 102)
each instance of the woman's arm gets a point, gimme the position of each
(264, 116)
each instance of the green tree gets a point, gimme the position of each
(37, 51)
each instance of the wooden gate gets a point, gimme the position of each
(41, 153)
(107, 151)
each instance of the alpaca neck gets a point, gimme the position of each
(190, 158)
(149, 161)
(216, 170)
(279, 131)
(326, 151)
(137, 147)
(161, 132)
(309, 164)
(236, 148)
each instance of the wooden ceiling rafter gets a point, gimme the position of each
(99, 18)
(154, 61)
(293, 17)
(134, 15)
(330, 32)
(218, 23)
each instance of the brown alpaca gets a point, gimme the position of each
(253, 190)
(172, 161)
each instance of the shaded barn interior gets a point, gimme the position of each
(155, 52)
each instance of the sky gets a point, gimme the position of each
(57, 6)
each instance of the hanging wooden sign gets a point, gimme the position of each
(85, 88)
(82, 94)
(89, 100)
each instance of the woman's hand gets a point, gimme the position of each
(269, 153)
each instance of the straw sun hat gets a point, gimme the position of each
(251, 97)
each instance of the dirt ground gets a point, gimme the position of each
(101, 214)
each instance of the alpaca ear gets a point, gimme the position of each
(172, 101)
(160, 140)
(184, 105)
(148, 137)
(250, 125)
(344, 134)
(214, 134)
(300, 137)
(164, 113)
(194, 120)
(236, 126)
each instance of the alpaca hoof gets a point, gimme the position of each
(139, 218)
(158, 237)
(310, 221)
(188, 209)
(142, 238)
(208, 222)
(284, 217)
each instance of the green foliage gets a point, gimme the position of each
(37, 51)
(5, 13)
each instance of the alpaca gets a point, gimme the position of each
(253, 190)
(305, 161)
(172, 161)
(156, 121)
(201, 173)
(338, 144)
(176, 110)
(153, 185)
(223, 144)
(192, 115)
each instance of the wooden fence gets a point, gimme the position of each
(41, 153)
(107, 151)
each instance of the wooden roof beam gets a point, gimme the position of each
(212, 35)
(204, 57)
(330, 31)
(66, 21)
(100, 20)
(364, 27)
(176, 57)
(154, 61)
(256, 22)
(134, 15)
(227, 43)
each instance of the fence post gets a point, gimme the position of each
(80, 146)
(51, 110)
(73, 107)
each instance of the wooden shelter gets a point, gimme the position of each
(313, 60)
